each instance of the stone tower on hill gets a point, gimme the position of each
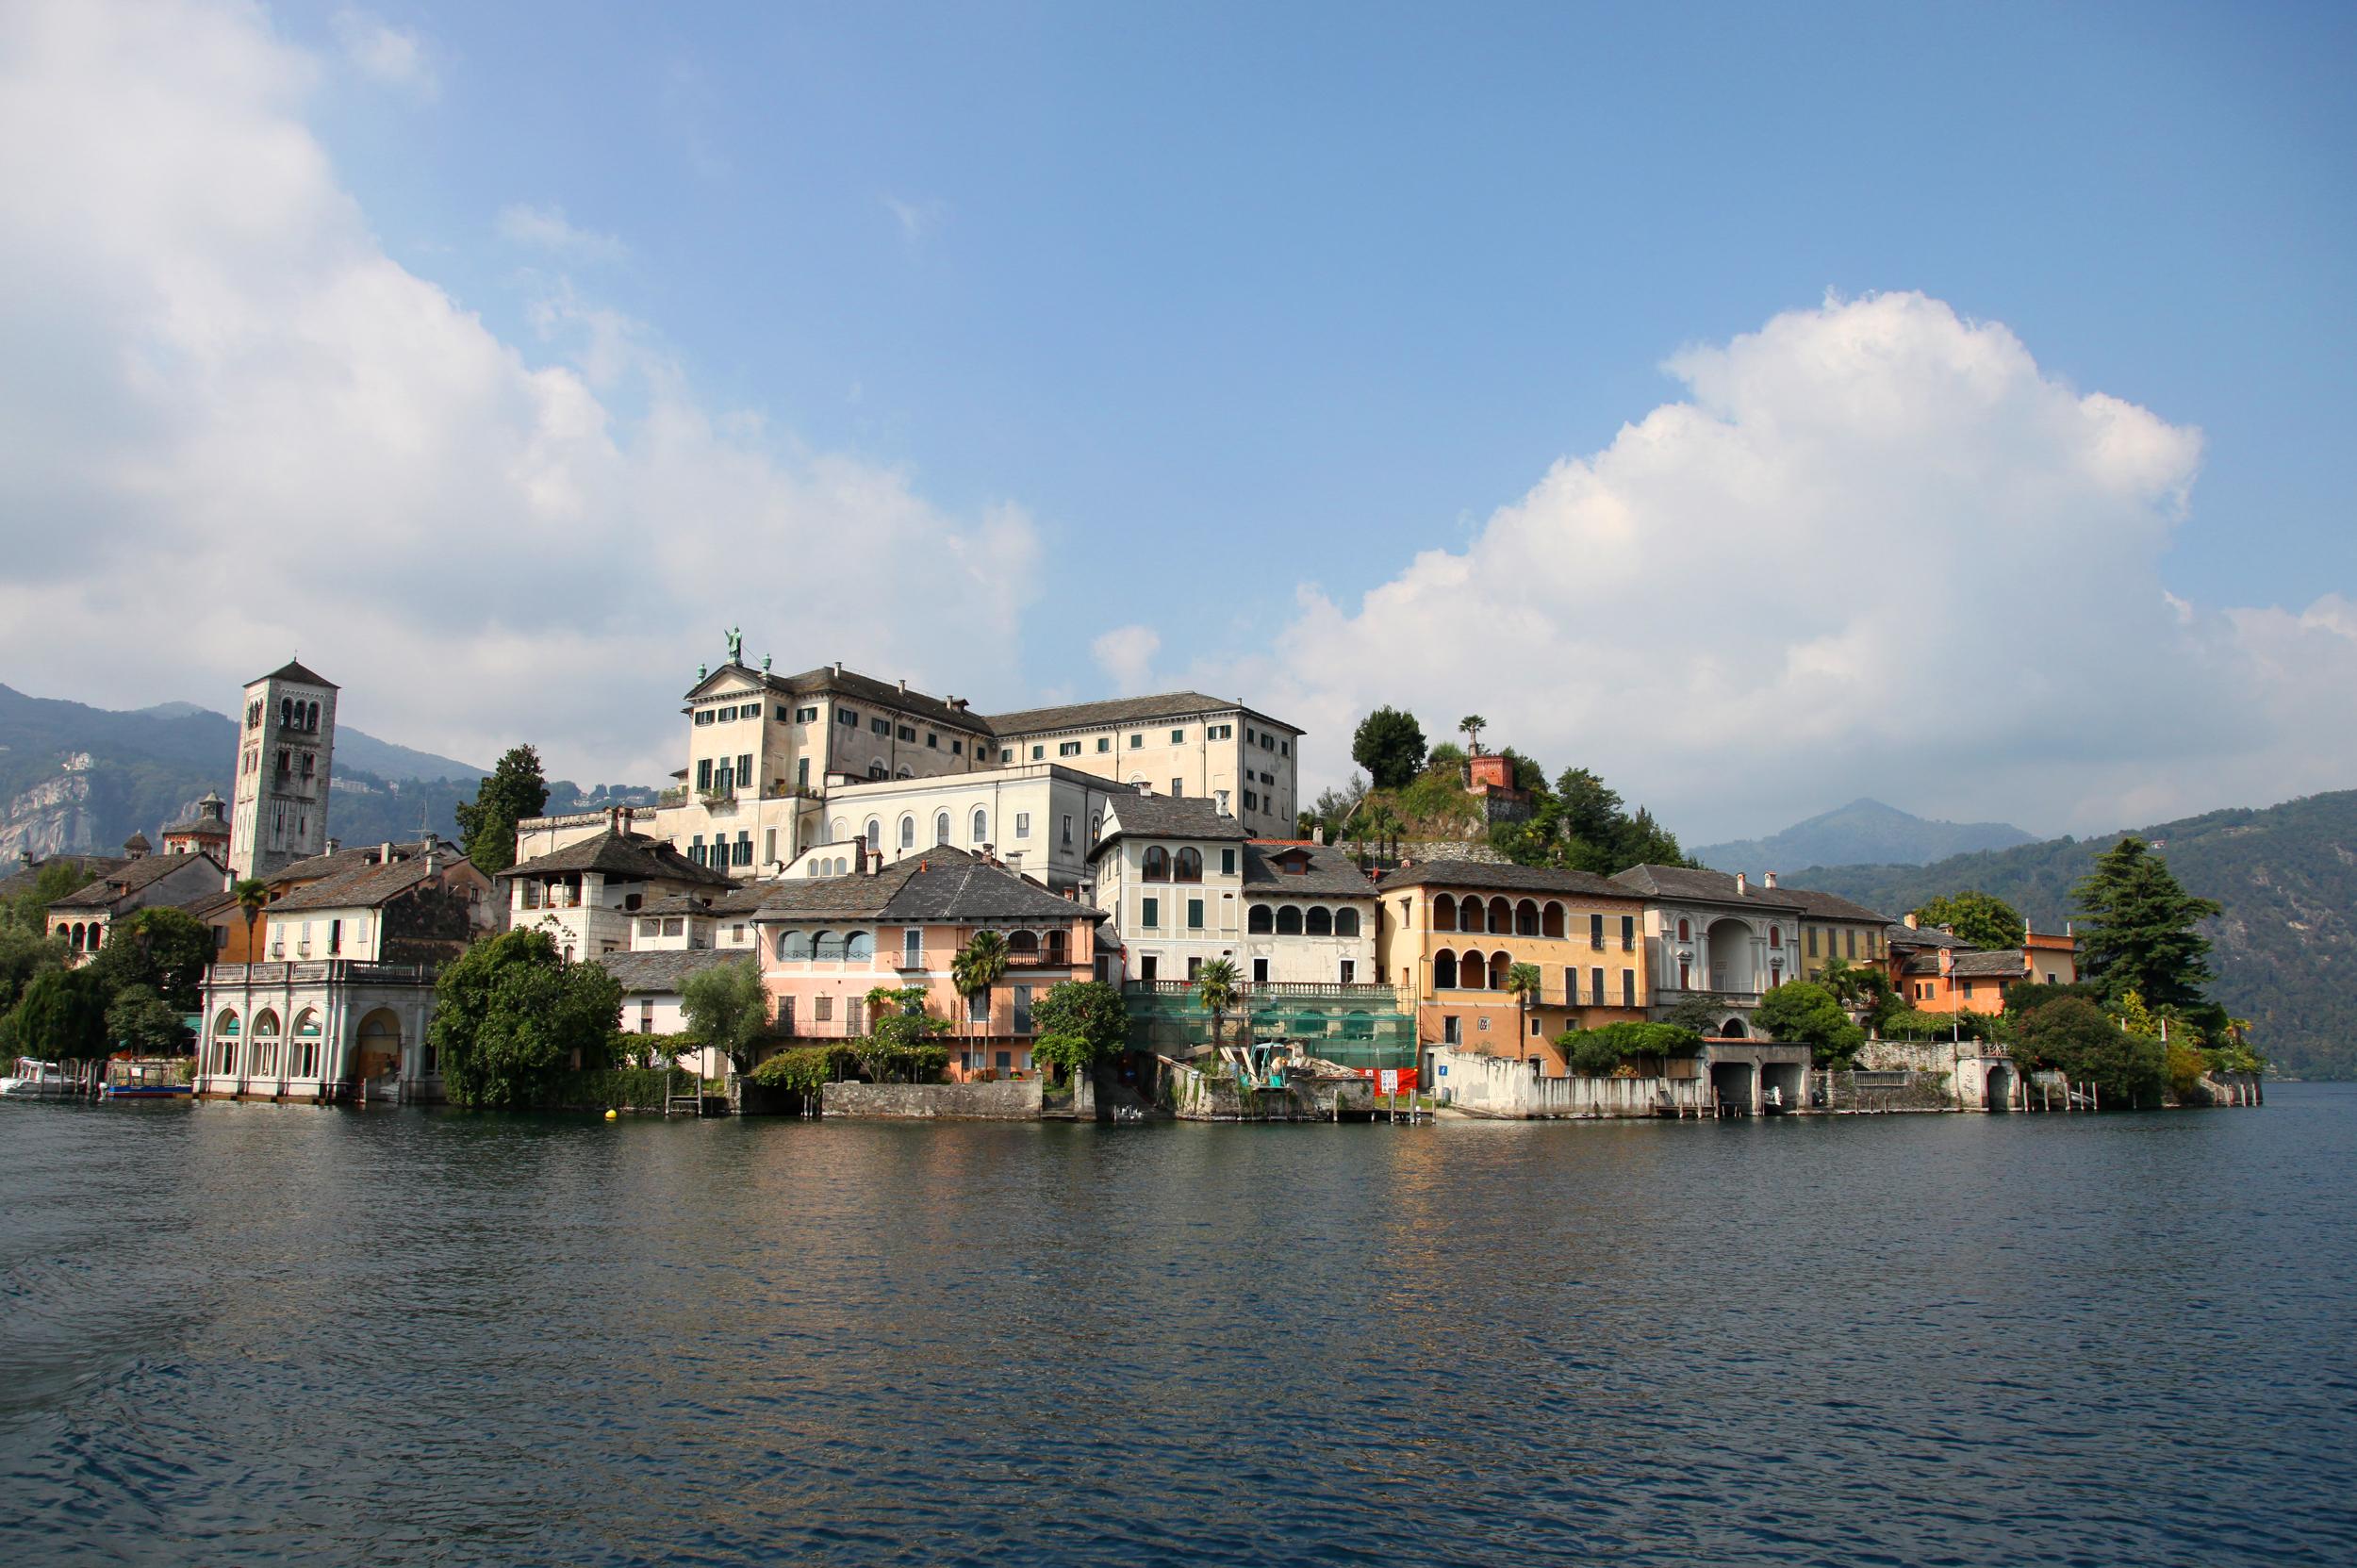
(285, 749)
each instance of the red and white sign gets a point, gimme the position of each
(1387, 1082)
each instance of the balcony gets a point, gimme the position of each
(1670, 996)
(914, 961)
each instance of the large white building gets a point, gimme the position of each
(778, 767)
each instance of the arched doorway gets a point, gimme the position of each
(1732, 1029)
(1999, 1094)
(1727, 956)
(379, 1046)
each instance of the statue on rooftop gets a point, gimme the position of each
(736, 644)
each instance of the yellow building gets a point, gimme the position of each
(1450, 933)
(1832, 927)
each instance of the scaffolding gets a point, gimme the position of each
(1363, 1027)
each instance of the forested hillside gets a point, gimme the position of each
(2286, 875)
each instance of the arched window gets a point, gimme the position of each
(1501, 917)
(1527, 918)
(1499, 963)
(1775, 936)
(835, 833)
(1345, 922)
(941, 827)
(793, 947)
(307, 1024)
(1686, 931)
(907, 832)
(875, 833)
(1288, 921)
(1157, 867)
(827, 946)
(905, 771)
(1473, 971)
(1444, 913)
(1319, 922)
(1444, 970)
(225, 1024)
(1259, 920)
(312, 720)
(1551, 922)
(1023, 942)
(982, 827)
(1188, 866)
(266, 1022)
(1096, 826)
(1058, 944)
(875, 770)
(1468, 915)
(859, 947)
(842, 866)
(285, 713)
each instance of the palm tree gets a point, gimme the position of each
(1215, 986)
(978, 966)
(1473, 724)
(253, 896)
(1523, 980)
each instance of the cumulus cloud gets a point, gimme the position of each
(545, 229)
(384, 53)
(1875, 549)
(237, 425)
(1126, 654)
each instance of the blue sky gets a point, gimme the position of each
(1218, 303)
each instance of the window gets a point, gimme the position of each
(1006, 753)
(1259, 920)
(1288, 921)
(1038, 753)
(805, 716)
(743, 846)
(1148, 967)
(1595, 986)
(646, 1018)
(1595, 936)
(1260, 971)
(1452, 1033)
(1318, 922)
(1067, 830)
(977, 1006)
(675, 925)
(696, 850)
(1150, 912)
(1812, 941)
(957, 748)
(1023, 1009)
(1096, 826)
(1068, 749)
(703, 773)
(912, 948)
(881, 727)
(1570, 985)
(1194, 915)
(1187, 866)
(941, 827)
(823, 1009)
(705, 716)
(1178, 738)
(1285, 748)
(1104, 743)
(1249, 736)
(1345, 922)
(1350, 971)
(1849, 942)
(1154, 867)
(859, 947)
(846, 715)
(875, 833)
(745, 768)
(785, 1015)
(1227, 863)
(875, 770)
(1022, 824)
(1686, 931)
(907, 832)
(793, 947)
(769, 845)
(1220, 732)
(1251, 801)
(1136, 741)
(1628, 933)
(907, 732)
(932, 741)
(981, 826)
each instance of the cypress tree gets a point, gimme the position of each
(2136, 928)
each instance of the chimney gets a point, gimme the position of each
(1317, 834)
(613, 820)
(334, 844)
(1769, 882)
(904, 686)
(838, 670)
(1742, 884)
(1909, 921)
(1946, 930)
(384, 853)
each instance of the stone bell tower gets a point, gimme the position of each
(286, 746)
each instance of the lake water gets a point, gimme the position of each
(255, 1334)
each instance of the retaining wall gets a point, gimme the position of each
(1007, 1101)
(1492, 1086)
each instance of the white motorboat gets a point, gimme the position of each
(35, 1080)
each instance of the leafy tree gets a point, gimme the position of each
(1089, 1013)
(512, 1017)
(1693, 1015)
(487, 824)
(2137, 928)
(2075, 1037)
(1389, 746)
(900, 1035)
(1855, 986)
(727, 1009)
(161, 950)
(1471, 727)
(1523, 980)
(978, 966)
(1529, 776)
(139, 1020)
(1977, 917)
(24, 953)
(1067, 1054)
(1602, 1052)
(1216, 986)
(1447, 759)
(1804, 1013)
(29, 910)
(63, 1014)
(804, 1069)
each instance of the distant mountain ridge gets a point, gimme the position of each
(1864, 833)
(2285, 947)
(75, 778)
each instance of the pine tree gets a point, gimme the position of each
(2136, 928)
(487, 825)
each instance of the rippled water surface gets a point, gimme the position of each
(257, 1334)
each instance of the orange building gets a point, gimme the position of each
(1937, 971)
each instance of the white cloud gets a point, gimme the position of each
(1126, 654)
(545, 229)
(236, 424)
(919, 220)
(384, 53)
(1876, 549)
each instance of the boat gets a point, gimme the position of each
(145, 1081)
(31, 1078)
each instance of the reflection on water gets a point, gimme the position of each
(276, 1334)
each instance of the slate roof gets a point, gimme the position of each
(860, 688)
(622, 855)
(1166, 817)
(742, 899)
(23, 879)
(942, 884)
(1331, 871)
(128, 879)
(1118, 710)
(2002, 963)
(663, 971)
(368, 886)
(1899, 935)
(334, 862)
(1489, 877)
(292, 671)
(1833, 907)
(1694, 887)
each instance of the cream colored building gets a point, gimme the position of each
(1309, 918)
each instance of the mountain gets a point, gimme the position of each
(78, 779)
(2285, 947)
(1864, 833)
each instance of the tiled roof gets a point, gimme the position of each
(1832, 906)
(1329, 872)
(292, 671)
(862, 689)
(1118, 710)
(1695, 886)
(741, 898)
(1899, 935)
(1491, 877)
(622, 855)
(2005, 963)
(1166, 817)
(662, 972)
(368, 886)
(129, 879)
(88, 866)
(940, 884)
(336, 863)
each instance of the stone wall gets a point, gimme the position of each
(1197, 1096)
(1492, 1086)
(1006, 1100)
